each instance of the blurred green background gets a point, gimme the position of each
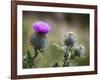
(60, 23)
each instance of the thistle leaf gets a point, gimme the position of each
(60, 47)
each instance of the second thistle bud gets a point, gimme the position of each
(70, 39)
(79, 50)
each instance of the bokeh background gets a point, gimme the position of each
(60, 24)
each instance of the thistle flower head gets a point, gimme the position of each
(38, 41)
(41, 27)
(69, 39)
(79, 50)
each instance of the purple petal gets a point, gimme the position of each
(41, 27)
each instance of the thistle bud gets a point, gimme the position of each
(70, 39)
(79, 50)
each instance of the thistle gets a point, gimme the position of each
(69, 48)
(38, 38)
(70, 39)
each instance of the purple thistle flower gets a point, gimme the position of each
(41, 27)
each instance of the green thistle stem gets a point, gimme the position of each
(35, 55)
(67, 58)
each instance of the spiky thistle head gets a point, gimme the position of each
(38, 41)
(69, 39)
(79, 50)
(38, 38)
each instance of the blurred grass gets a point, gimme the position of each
(58, 28)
